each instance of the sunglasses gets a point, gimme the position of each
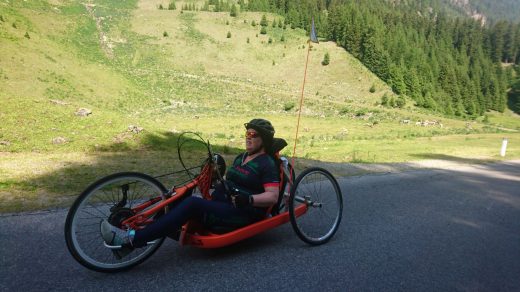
(252, 134)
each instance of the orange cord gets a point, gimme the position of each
(300, 111)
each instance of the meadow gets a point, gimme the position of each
(148, 74)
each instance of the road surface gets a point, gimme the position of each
(455, 229)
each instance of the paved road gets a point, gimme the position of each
(442, 230)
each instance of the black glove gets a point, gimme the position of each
(240, 198)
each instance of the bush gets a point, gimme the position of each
(288, 106)
(27, 36)
(165, 34)
(233, 12)
(228, 34)
(2, 18)
(263, 30)
(253, 23)
(372, 88)
(385, 100)
(263, 22)
(14, 25)
(161, 7)
(282, 39)
(270, 41)
(280, 24)
(248, 40)
(326, 59)
(227, 22)
(400, 102)
(344, 110)
(274, 23)
(172, 6)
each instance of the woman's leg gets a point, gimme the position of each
(193, 208)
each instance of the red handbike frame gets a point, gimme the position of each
(193, 233)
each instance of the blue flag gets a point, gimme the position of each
(314, 37)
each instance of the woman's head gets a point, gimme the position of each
(259, 135)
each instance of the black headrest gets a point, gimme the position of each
(278, 145)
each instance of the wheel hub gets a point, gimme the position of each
(119, 215)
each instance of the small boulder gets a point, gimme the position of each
(83, 112)
(135, 129)
(59, 140)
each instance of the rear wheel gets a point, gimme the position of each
(111, 198)
(317, 191)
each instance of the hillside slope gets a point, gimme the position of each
(147, 74)
(170, 70)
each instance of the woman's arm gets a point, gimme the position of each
(267, 198)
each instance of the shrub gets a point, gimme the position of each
(253, 23)
(27, 36)
(372, 88)
(288, 106)
(400, 102)
(161, 7)
(248, 40)
(263, 22)
(14, 25)
(2, 18)
(326, 59)
(344, 110)
(270, 41)
(165, 34)
(228, 34)
(172, 6)
(274, 63)
(282, 39)
(233, 12)
(280, 24)
(227, 22)
(274, 23)
(385, 100)
(263, 30)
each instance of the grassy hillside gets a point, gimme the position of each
(166, 72)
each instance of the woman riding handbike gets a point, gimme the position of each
(134, 212)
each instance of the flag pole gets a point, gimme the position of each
(313, 36)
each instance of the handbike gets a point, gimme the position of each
(313, 204)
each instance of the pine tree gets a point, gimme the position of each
(263, 30)
(172, 6)
(27, 36)
(228, 34)
(274, 23)
(253, 23)
(233, 12)
(263, 22)
(326, 59)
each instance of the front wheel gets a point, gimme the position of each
(315, 206)
(111, 198)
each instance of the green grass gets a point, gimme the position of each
(115, 61)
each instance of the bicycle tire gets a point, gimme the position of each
(318, 186)
(83, 249)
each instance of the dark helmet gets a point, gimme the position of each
(263, 127)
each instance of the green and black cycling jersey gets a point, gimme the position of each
(255, 175)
